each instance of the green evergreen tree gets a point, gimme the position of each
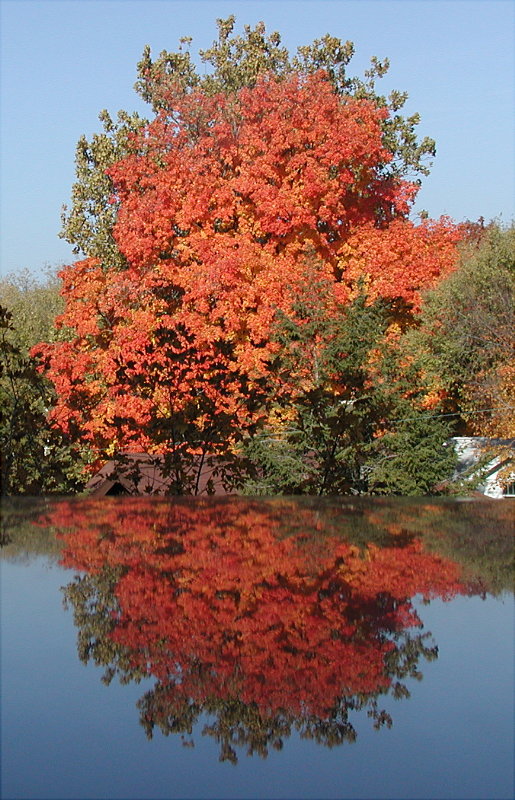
(359, 426)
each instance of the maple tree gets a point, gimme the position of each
(235, 610)
(224, 205)
(234, 61)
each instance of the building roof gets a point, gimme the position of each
(144, 474)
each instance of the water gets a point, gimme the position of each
(240, 648)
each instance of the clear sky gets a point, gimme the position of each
(63, 61)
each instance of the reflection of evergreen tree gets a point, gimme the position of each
(480, 540)
(95, 609)
(478, 535)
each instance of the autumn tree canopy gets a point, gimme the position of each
(268, 175)
(234, 61)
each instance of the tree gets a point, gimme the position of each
(412, 458)
(352, 417)
(235, 61)
(36, 456)
(34, 304)
(465, 336)
(218, 207)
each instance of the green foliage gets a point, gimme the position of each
(465, 337)
(95, 608)
(34, 305)
(88, 224)
(351, 430)
(36, 457)
(413, 458)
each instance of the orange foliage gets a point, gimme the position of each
(221, 599)
(220, 205)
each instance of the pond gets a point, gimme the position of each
(240, 648)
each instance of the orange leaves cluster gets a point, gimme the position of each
(220, 205)
(289, 168)
(218, 599)
(401, 260)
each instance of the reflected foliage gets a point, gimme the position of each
(480, 540)
(20, 539)
(262, 618)
(258, 618)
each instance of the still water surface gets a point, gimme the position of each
(241, 648)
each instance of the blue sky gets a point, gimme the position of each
(62, 61)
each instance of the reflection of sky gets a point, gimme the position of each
(64, 734)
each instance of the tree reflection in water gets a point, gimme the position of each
(266, 616)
